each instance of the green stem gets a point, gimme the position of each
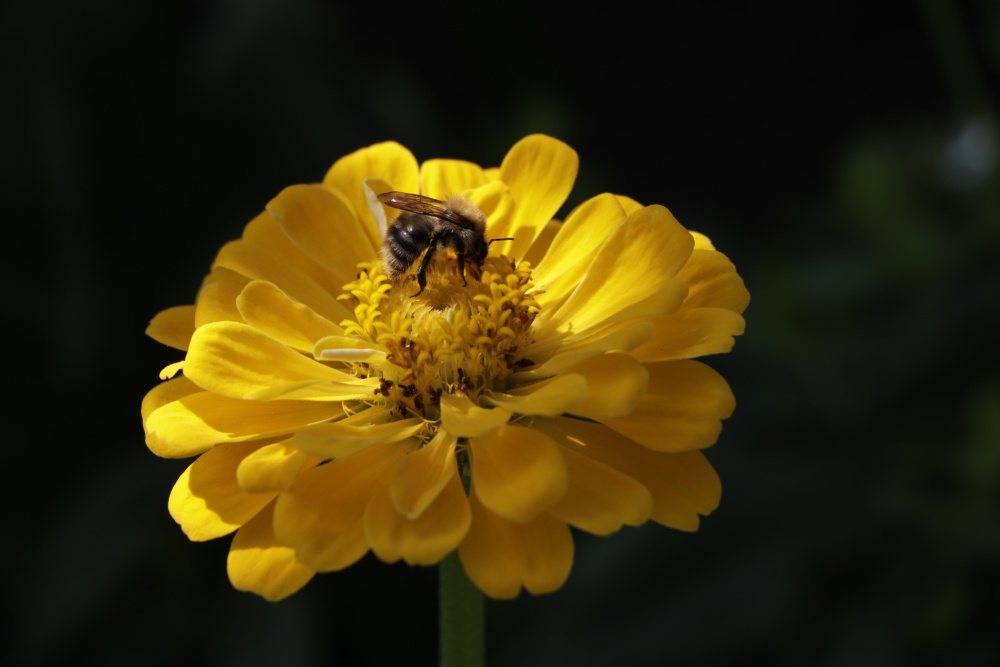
(461, 616)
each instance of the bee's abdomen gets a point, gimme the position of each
(404, 243)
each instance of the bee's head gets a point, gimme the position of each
(476, 249)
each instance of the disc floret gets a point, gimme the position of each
(451, 338)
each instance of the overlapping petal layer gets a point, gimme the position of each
(500, 556)
(260, 564)
(335, 412)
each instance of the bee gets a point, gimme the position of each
(427, 225)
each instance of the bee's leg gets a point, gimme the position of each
(455, 242)
(475, 270)
(461, 268)
(422, 269)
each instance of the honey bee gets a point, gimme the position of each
(429, 224)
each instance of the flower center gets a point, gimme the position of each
(451, 338)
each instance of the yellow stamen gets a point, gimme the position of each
(451, 338)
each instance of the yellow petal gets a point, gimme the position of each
(424, 540)
(635, 265)
(422, 475)
(494, 200)
(540, 246)
(216, 300)
(206, 500)
(442, 178)
(623, 337)
(387, 161)
(630, 205)
(171, 370)
(600, 499)
(713, 282)
(269, 310)
(173, 327)
(318, 390)
(548, 397)
(160, 395)
(615, 382)
(258, 564)
(579, 238)
(166, 392)
(272, 468)
(323, 227)
(702, 242)
(193, 424)
(690, 333)
(463, 418)
(518, 472)
(236, 360)
(341, 439)
(322, 515)
(371, 416)
(265, 233)
(540, 172)
(682, 410)
(665, 300)
(501, 556)
(682, 485)
(259, 264)
(373, 187)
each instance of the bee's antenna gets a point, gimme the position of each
(492, 240)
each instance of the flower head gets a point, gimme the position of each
(336, 405)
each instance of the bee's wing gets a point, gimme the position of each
(435, 208)
(405, 201)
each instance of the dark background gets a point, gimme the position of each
(843, 154)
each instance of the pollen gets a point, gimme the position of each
(451, 338)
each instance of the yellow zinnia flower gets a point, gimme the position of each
(336, 412)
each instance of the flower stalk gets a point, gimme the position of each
(461, 616)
